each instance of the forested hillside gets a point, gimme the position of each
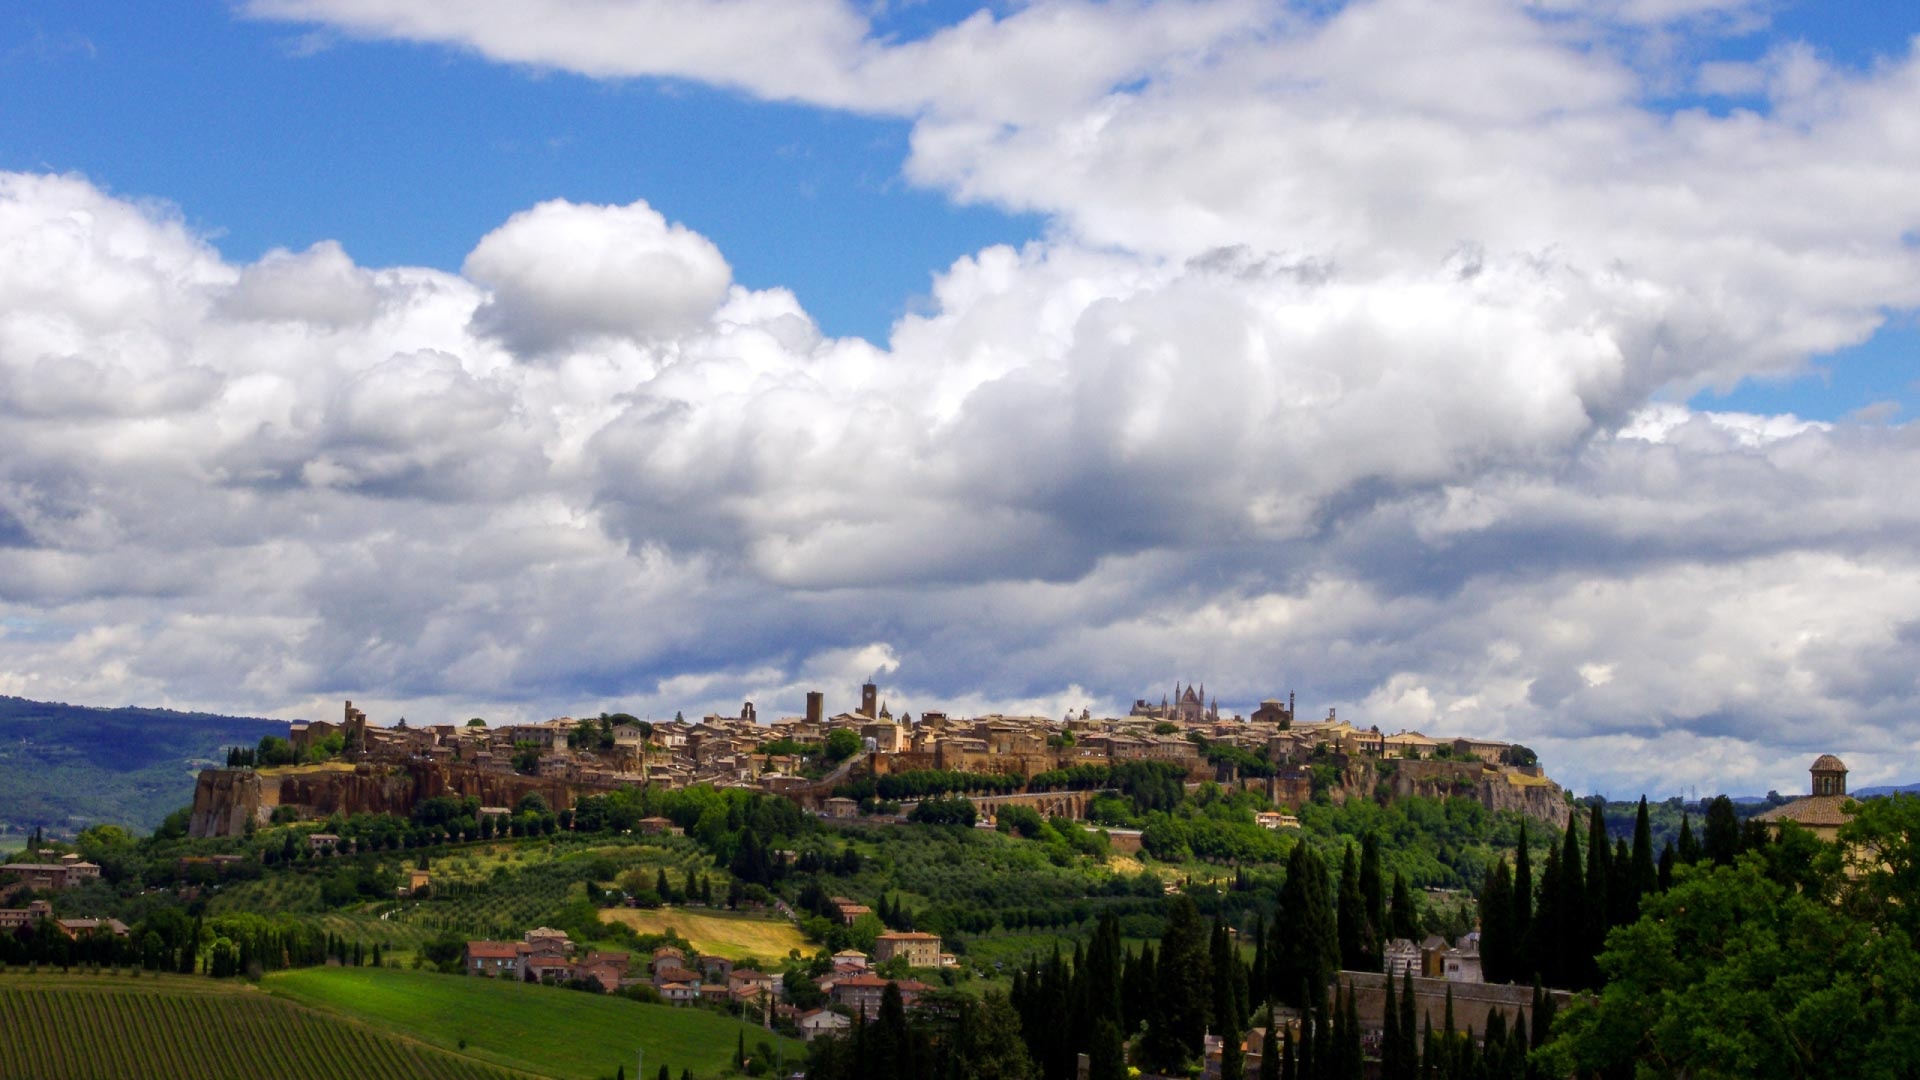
(64, 767)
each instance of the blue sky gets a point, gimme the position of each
(429, 147)
(271, 136)
(1446, 364)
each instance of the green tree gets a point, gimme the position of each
(1731, 973)
(1351, 914)
(1176, 1030)
(1309, 951)
(1722, 841)
(842, 743)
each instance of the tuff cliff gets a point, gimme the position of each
(1497, 787)
(224, 800)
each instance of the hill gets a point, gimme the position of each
(539, 1029)
(64, 767)
(184, 1028)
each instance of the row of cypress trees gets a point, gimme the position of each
(1555, 928)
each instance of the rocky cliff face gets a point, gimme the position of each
(225, 799)
(1496, 787)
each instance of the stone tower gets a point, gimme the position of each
(1829, 775)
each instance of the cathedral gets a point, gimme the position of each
(1189, 706)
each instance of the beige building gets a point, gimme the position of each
(921, 950)
(1823, 812)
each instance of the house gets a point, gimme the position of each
(74, 928)
(492, 958)
(1269, 819)
(419, 882)
(322, 841)
(820, 1022)
(1401, 957)
(862, 993)
(848, 910)
(679, 993)
(842, 807)
(660, 826)
(15, 918)
(71, 870)
(605, 968)
(672, 972)
(849, 962)
(921, 950)
(546, 941)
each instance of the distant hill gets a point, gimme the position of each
(64, 767)
(1888, 789)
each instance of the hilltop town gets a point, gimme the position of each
(828, 762)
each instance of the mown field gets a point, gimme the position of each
(736, 937)
(85, 1027)
(537, 1029)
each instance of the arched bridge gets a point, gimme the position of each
(1048, 804)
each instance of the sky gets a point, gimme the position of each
(1542, 371)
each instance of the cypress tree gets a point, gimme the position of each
(1257, 981)
(1623, 904)
(1232, 1065)
(1351, 914)
(1270, 1051)
(1689, 850)
(1406, 920)
(1310, 951)
(1723, 831)
(1103, 971)
(1572, 950)
(1224, 1019)
(1289, 1062)
(1645, 874)
(1389, 1035)
(1373, 894)
(1522, 893)
(1496, 925)
(1544, 930)
(1176, 1031)
(1107, 1056)
(1663, 877)
(1598, 907)
(1409, 1049)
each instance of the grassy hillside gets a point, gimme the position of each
(86, 1027)
(554, 1032)
(736, 937)
(64, 767)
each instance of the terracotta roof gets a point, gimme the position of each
(1828, 763)
(494, 950)
(1823, 810)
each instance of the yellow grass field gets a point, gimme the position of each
(736, 937)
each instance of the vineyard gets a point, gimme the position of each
(158, 1027)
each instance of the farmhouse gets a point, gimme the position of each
(921, 950)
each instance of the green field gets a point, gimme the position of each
(538, 1029)
(736, 937)
(85, 1027)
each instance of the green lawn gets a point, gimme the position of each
(545, 1030)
